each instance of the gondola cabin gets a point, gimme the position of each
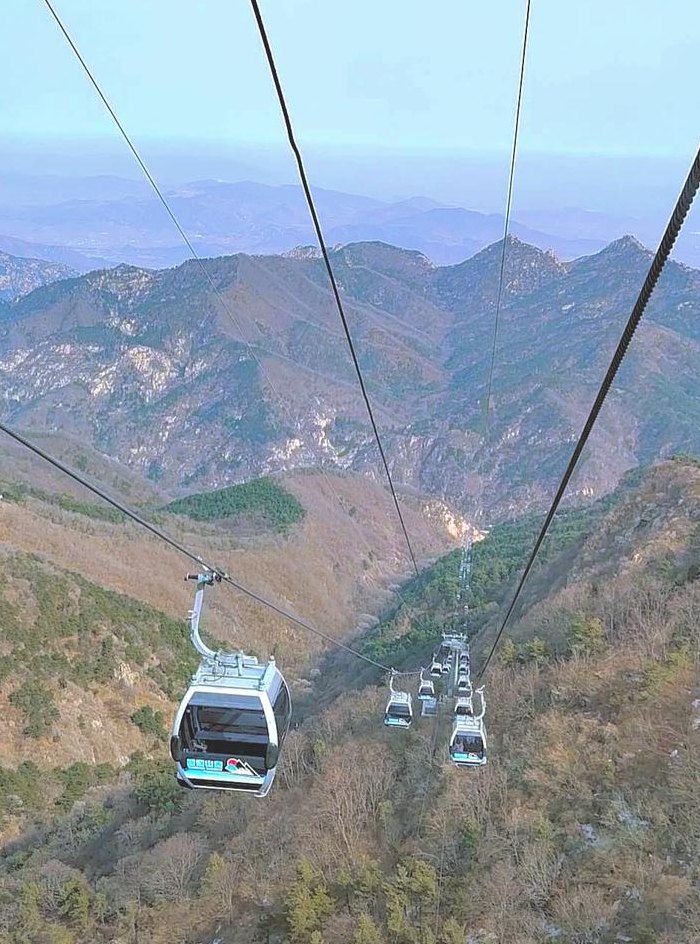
(463, 683)
(229, 730)
(463, 707)
(231, 725)
(436, 669)
(429, 708)
(399, 710)
(468, 742)
(426, 689)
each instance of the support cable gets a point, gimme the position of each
(660, 259)
(182, 549)
(327, 263)
(506, 222)
(504, 248)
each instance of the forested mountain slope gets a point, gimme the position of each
(581, 828)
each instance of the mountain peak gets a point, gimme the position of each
(303, 252)
(625, 244)
(20, 276)
(377, 251)
(625, 251)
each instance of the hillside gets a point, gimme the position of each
(94, 613)
(20, 276)
(582, 827)
(117, 359)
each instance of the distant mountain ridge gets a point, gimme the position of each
(58, 255)
(146, 367)
(223, 217)
(21, 276)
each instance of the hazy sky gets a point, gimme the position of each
(395, 78)
(409, 73)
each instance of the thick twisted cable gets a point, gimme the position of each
(329, 268)
(660, 259)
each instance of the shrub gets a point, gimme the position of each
(149, 721)
(155, 786)
(38, 706)
(74, 903)
(585, 636)
(78, 778)
(308, 904)
(509, 653)
(536, 650)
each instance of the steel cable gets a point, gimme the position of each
(660, 259)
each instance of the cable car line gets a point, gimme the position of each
(200, 262)
(506, 223)
(137, 156)
(182, 549)
(327, 263)
(466, 562)
(660, 259)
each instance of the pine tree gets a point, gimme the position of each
(308, 905)
(75, 902)
(367, 931)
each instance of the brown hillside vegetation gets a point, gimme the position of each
(583, 827)
(337, 563)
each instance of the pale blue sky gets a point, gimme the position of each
(370, 73)
(391, 98)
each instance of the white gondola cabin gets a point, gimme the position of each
(429, 708)
(468, 738)
(463, 683)
(468, 742)
(399, 708)
(436, 668)
(426, 689)
(464, 707)
(230, 727)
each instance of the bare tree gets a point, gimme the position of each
(295, 763)
(170, 866)
(352, 794)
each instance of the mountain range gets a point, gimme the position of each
(148, 368)
(109, 221)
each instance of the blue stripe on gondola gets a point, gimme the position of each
(222, 775)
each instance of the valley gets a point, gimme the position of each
(581, 827)
(83, 587)
(239, 430)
